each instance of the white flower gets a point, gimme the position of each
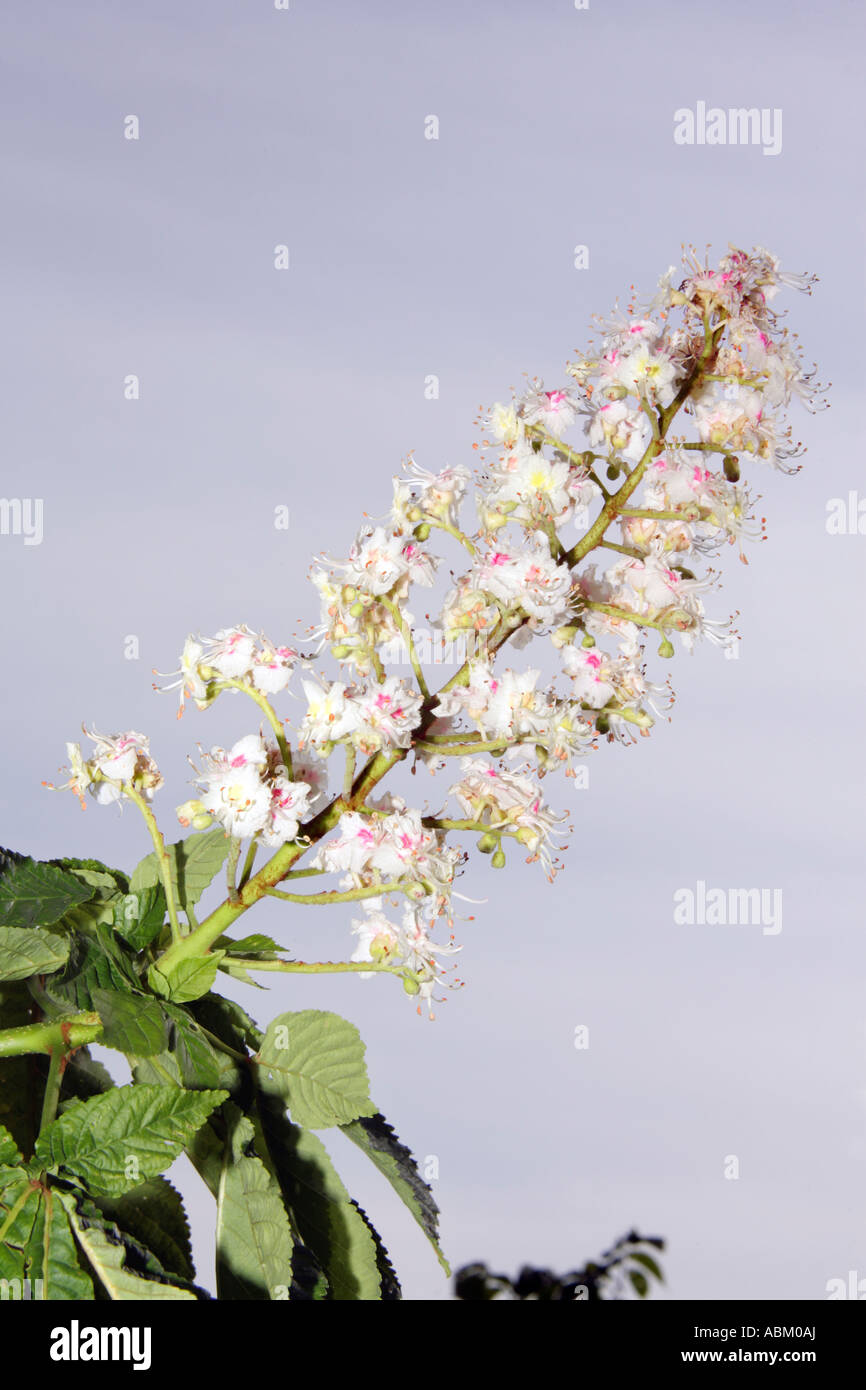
(386, 715)
(510, 802)
(234, 788)
(123, 758)
(408, 945)
(591, 675)
(528, 577)
(330, 716)
(554, 411)
(289, 807)
(537, 488)
(646, 372)
(191, 680)
(391, 847)
(230, 653)
(272, 667)
(467, 610)
(314, 772)
(429, 496)
(353, 624)
(249, 792)
(504, 423)
(377, 561)
(624, 429)
(505, 705)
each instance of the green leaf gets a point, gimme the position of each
(98, 960)
(25, 952)
(96, 866)
(254, 1241)
(116, 1140)
(84, 1077)
(201, 1066)
(104, 893)
(9, 1153)
(125, 1269)
(96, 876)
(153, 1215)
(38, 1245)
(189, 979)
(640, 1282)
(255, 945)
(132, 1023)
(328, 1221)
(375, 1137)
(9, 857)
(648, 1263)
(206, 1152)
(193, 862)
(317, 1061)
(139, 917)
(228, 1021)
(389, 1284)
(37, 895)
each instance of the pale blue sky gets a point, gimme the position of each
(455, 257)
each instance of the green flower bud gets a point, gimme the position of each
(341, 651)
(410, 984)
(357, 609)
(666, 647)
(602, 724)
(422, 532)
(488, 843)
(731, 465)
(498, 860)
(588, 641)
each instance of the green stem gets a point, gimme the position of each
(270, 714)
(689, 513)
(625, 615)
(66, 1033)
(464, 738)
(453, 531)
(704, 448)
(51, 1097)
(443, 823)
(630, 550)
(248, 862)
(614, 505)
(482, 746)
(349, 774)
(320, 967)
(280, 865)
(406, 634)
(232, 869)
(351, 895)
(14, 1210)
(161, 855)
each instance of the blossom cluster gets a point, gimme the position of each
(645, 443)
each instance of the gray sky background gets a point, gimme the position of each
(455, 257)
